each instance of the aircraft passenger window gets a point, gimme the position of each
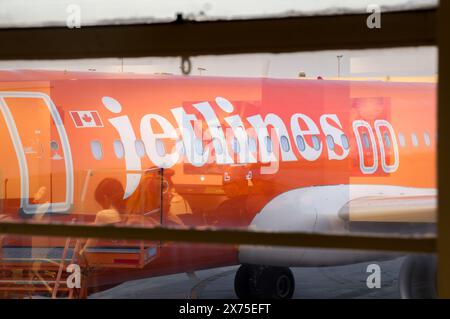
(401, 139)
(330, 142)
(285, 144)
(96, 149)
(252, 144)
(365, 141)
(235, 145)
(300, 143)
(316, 142)
(414, 139)
(269, 145)
(118, 149)
(140, 148)
(54, 146)
(344, 141)
(160, 148)
(426, 138)
(387, 140)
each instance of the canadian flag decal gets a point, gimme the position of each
(86, 119)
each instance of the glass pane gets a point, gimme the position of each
(118, 149)
(340, 142)
(52, 267)
(96, 149)
(337, 282)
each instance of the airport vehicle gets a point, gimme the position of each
(247, 153)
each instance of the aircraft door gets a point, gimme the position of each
(42, 149)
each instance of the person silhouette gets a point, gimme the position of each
(109, 195)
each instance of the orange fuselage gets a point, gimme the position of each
(227, 147)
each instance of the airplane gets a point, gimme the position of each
(242, 153)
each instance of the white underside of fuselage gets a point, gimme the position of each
(316, 209)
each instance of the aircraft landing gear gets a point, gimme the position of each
(417, 278)
(264, 282)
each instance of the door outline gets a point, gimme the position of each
(26, 207)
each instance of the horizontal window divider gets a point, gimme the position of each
(191, 38)
(422, 244)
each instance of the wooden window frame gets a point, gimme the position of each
(281, 35)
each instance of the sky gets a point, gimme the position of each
(420, 61)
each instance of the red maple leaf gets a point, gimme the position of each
(86, 118)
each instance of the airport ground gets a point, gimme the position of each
(311, 283)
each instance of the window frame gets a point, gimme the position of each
(404, 28)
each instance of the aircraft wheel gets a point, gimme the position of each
(417, 278)
(277, 283)
(243, 282)
(264, 282)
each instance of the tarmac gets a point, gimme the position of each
(341, 282)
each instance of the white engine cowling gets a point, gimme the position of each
(315, 209)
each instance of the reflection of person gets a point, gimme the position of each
(179, 205)
(109, 195)
(40, 245)
(175, 205)
(145, 203)
(143, 206)
(40, 196)
(40, 199)
(233, 212)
